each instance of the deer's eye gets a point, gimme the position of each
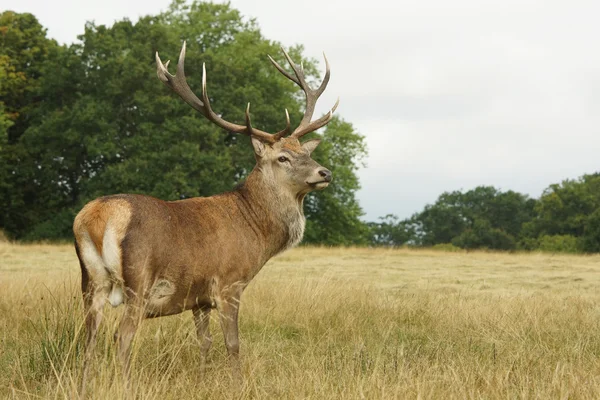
(283, 159)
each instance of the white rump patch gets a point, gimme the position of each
(111, 252)
(94, 264)
(105, 269)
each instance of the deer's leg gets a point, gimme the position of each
(134, 313)
(228, 307)
(94, 299)
(202, 322)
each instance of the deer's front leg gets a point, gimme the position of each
(228, 316)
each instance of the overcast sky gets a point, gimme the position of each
(449, 94)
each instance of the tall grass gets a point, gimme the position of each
(326, 323)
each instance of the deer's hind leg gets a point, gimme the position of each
(133, 316)
(95, 287)
(202, 322)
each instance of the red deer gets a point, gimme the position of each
(165, 257)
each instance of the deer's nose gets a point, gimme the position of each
(326, 174)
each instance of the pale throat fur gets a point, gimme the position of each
(276, 214)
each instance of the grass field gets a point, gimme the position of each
(322, 323)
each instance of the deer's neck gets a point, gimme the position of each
(276, 215)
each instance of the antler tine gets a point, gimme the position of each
(316, 124)
(287, 129)
(181, 62)
(178, 84)
(284, 72)
(312, 95)
(323, 85)
(298, 72)
(248, 122)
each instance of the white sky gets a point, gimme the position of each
(449, 94)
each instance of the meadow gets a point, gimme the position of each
(324, 323)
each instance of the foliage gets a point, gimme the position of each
(107, 125)
(24, 53)
(333, 215)
(483, 236)
(24, 49)
(570, 208)
(559, 244)
(389, 231)
(566, 218)
(480, 218)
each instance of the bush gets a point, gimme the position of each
(560, 244)
(590, 242)
(529, 244)
(484, 236)
(59, 227)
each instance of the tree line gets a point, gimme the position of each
(89, 119)
(566, 218)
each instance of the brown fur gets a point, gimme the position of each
(193, 254)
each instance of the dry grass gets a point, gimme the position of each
(323, 323)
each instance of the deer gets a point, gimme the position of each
(161, 258)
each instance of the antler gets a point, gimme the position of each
(179, 85)
(306, 126)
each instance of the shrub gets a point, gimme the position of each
(560, 244)
(529, 244)
(59, 227)
(484, 236)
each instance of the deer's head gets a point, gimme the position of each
(281, 156)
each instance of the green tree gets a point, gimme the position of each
(481, 235)
(570, 208)
(390, 231)
(24, 48)
(24, 51)
(440, 222)
(108, 125)
(333, 215)
(591, 233)
(481, 217)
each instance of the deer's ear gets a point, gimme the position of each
(310, 145)
(259, 147)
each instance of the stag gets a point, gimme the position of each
(161, 258)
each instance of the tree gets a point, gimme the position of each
(481, 235)
(481, 217)
(24, 50)
(440, 222)
(333, 215)
(390, 231)
(107, 125)
(570, 208)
